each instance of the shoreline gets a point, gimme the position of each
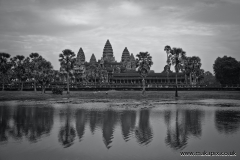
(78, 97)
(145, 104)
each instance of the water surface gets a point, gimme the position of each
(118, 131)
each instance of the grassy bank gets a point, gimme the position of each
(136, 95)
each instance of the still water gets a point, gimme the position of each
(118, 131)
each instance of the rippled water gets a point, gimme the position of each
(118, 131)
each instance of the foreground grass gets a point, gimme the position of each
(128, 95)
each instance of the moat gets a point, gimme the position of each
(117, 130)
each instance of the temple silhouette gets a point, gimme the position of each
(107, 70)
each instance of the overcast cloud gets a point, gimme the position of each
(204, 28)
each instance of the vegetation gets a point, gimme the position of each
(37, 70)
(45, 74)
(57, 90)
(209, 80)
(193, 69)
(187, 69)
(200, 75)
(190, 66)
(143, 65)
(176, 58)
(20, 69)
(5, 68)
(168, 49)
(227, 70)
(34, 60)
(67, 61)
(20, 66)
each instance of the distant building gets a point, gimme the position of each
(108, 70)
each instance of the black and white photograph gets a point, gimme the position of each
(119, 79)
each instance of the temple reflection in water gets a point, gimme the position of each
(33, 123)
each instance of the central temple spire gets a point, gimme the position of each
(108, 52)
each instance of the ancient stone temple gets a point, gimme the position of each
(79, 67)
(108, 52)
(80, 56)
(93, 59)
(133, 62)
(167, 69)
(128, 61)
(125, 55)
(107, 70)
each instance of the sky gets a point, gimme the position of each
(204, 28)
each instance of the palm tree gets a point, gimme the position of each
(168, 49)
(67, 61)
(143, 65)
(34, 67)
(5, 68)
(177, 58)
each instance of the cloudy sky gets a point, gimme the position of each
(204, 28)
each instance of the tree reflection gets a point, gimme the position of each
(193, 119)
(80, 122)
(167, 117)
(182, 124)
(143, 132)
(31, 122)
(109, 121)
(20, 119)
(128, 119)
(41, 122)
(67, 133)
(4, 123)
(227, 122)
(176, 135)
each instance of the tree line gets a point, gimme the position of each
(190, 66)
(226, 69)
(19, 69)
(38, 70)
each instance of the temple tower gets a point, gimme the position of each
(80, 56)
(108, 52)
(125, 55)
(133, 62)
(93, 59)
